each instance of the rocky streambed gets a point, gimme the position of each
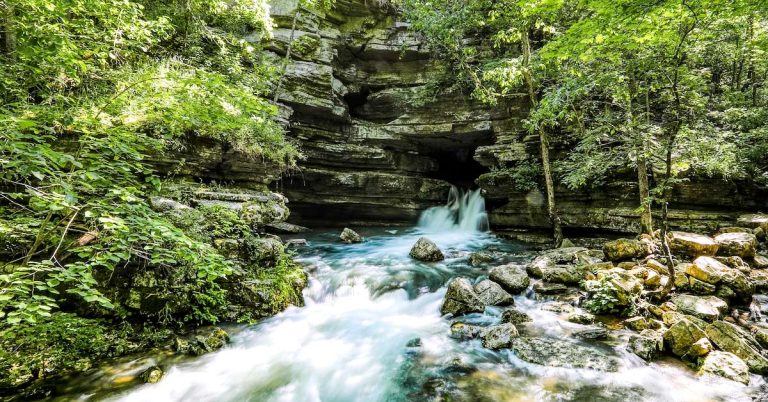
(489, 321)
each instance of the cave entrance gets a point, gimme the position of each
(458, 167)
(455, 157)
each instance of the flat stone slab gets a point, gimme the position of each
(558, 353)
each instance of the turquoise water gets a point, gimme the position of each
(367, 303)
(371, 331)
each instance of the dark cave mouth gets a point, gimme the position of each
(458, 166)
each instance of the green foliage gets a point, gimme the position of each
(58, 344)
(207, 223)
(57, 46)
(64, 343)
(603, 299)
(522, 177)
(90, 91)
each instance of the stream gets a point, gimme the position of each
(371, 330)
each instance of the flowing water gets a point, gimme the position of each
(371, 331)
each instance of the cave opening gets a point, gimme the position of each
(356, 100)
(458, 166)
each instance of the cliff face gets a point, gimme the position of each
(382, 144)
(368, 104)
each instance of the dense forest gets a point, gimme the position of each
(669, 88)
(91, 91)
(101, 100)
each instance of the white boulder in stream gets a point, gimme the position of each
(511, 277)
(499, 336)
(426, 250)
(726, 365)
(491, 294)
(461, 298)
(350, 236)
(553, 352)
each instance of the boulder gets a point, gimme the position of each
(546, 288)
(682, 280)
(162, 204)
(741, 288)
(491, 294)
(707, 269)
(592, 334)
(760, 261)
(730, 338)
(350, 236)
(151, 375)
(708, 308)
(499, 336)
(558, 307)
(648, 344)
(698, 287)
(552, 352)
(511, 277)
(460, 330)
(738, 244)
(479, 258)
(759, 279)
(296, 243)
(683, 333)
(514, 316)
(692, 244)
(735, 262)
(754, 221)
(657, 266)
(638, 323)
(726, 365)
(625, 249)
(579, 316)
(285, 227)
(564, 255)
(700, 348)
(425, 250)
(262, 209)
(652, 279)
(461, 298)
(626, 286)
(564, 274)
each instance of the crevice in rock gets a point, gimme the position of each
(356, 101)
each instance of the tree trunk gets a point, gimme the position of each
(646, 219)
(665, 223)
(554, 218)
(8, 39)
(642, 164)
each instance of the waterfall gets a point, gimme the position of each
(464, 211)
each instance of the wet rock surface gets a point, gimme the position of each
(731, 338)
(499, 336)
(726, 365)
(492, 294)
(511, 277)
(426, 250)
(461, 298)
(557, 353)
(350, 236)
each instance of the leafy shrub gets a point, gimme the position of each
(602, 297)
